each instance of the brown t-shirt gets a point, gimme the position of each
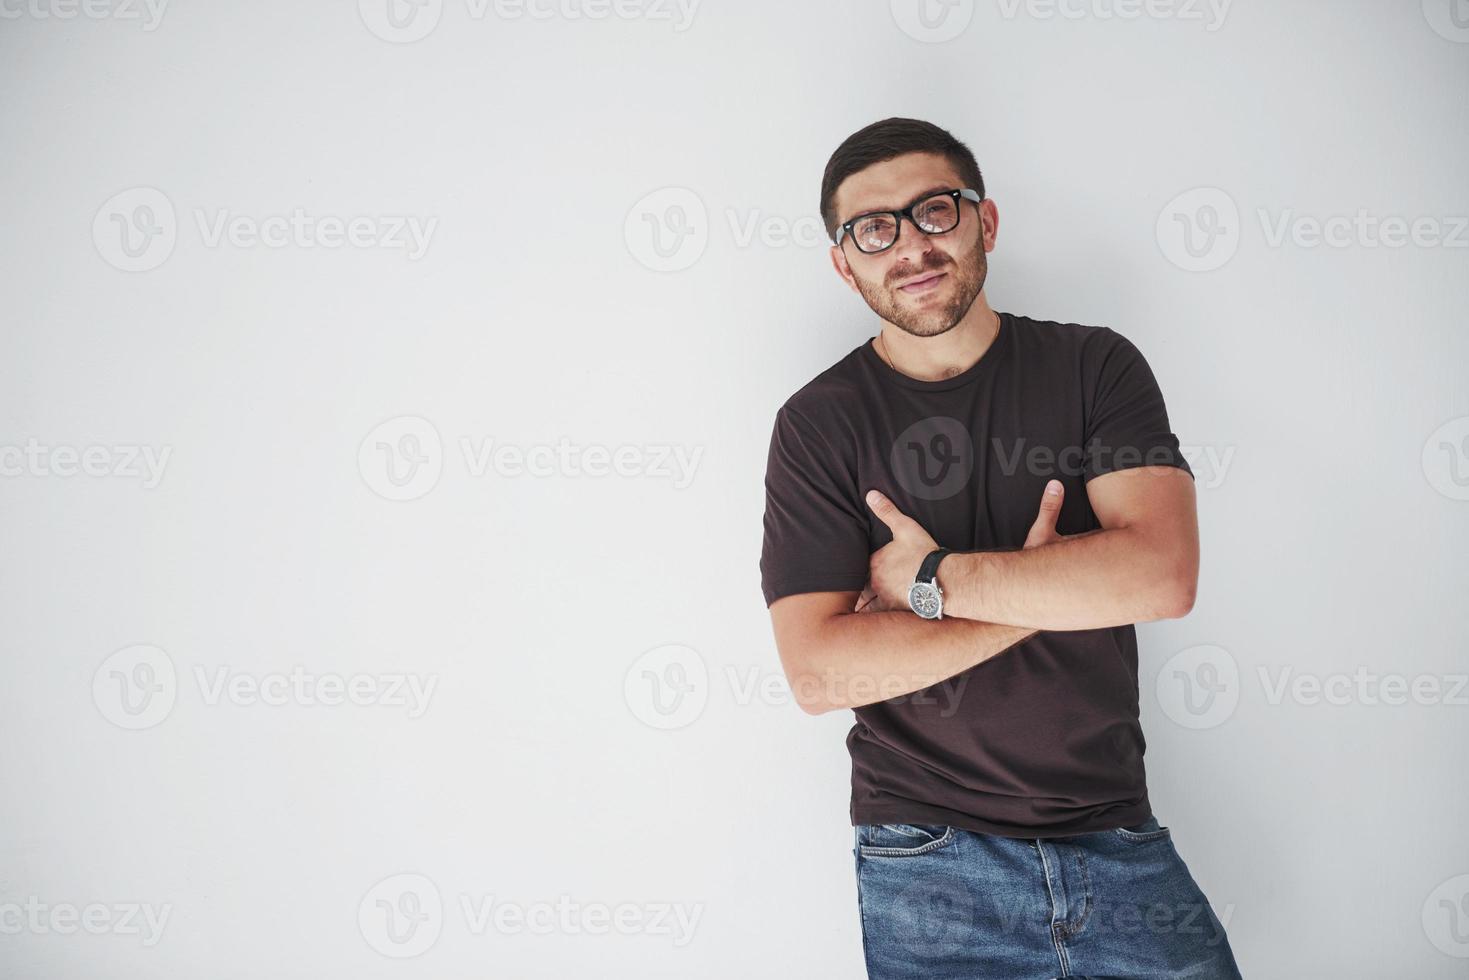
(1042, 740)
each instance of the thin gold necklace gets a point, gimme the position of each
(888, 358)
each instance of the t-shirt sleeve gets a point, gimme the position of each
(816, 536)
(1127, 421)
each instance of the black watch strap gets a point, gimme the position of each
(929, 570)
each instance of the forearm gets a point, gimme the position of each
(1085, 581)
(861, 658)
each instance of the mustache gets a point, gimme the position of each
(907, 274)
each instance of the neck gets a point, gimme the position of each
(952, 352)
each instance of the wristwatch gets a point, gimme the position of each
(924, 595)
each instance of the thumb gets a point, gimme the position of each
(886, 511)
(1050, 510)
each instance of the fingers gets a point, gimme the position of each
(1044, 528)
(887, 511)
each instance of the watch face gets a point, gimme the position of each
(924, 599)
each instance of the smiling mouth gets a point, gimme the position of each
(925, 284)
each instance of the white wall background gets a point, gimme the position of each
(265, 558)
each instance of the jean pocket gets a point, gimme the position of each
(902, 839)
(1143, 832)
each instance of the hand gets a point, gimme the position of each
(1043, 531)
(892, 568)
(869, 601)
(916, 540)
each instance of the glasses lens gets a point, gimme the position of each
(934, 215)
(875, 232)
(938, 214)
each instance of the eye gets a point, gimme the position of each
(876, 223)
(938, 212)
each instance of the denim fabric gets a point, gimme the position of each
(944, 903)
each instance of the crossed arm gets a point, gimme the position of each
(1141, 565)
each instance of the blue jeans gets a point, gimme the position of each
(943, 903)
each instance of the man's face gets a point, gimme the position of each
(957, 257)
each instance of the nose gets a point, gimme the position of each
(912, 244)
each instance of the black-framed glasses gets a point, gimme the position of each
(878, 231)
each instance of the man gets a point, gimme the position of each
(964, 517)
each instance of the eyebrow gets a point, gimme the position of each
(937, 188)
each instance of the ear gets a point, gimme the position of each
(839, 262)
(991, 215)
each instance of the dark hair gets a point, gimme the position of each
(887, 139)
